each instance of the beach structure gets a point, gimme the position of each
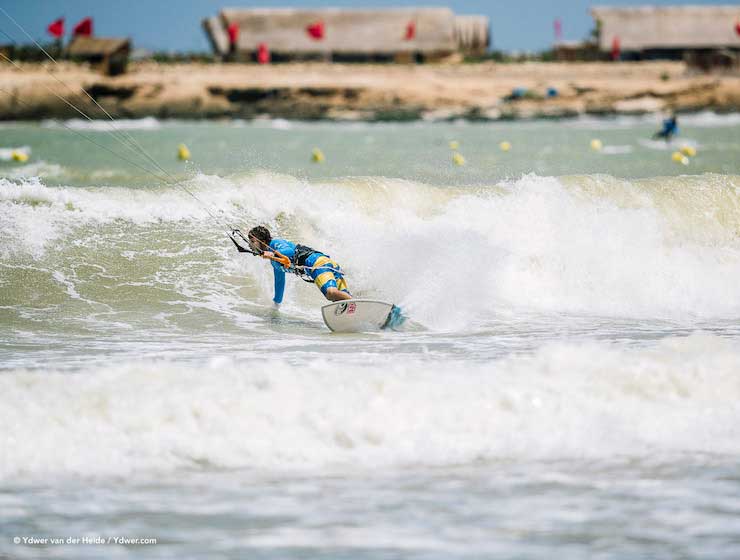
(109, 56)
(571, 51)
(217, 36)
(706, 37)
(346, 35)
(472, 34)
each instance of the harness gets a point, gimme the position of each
(301, 254)
(298, 262)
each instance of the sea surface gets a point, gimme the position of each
(567, 384)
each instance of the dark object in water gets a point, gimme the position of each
(669, 130)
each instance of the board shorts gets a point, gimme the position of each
(327, 274)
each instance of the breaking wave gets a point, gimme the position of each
(564, 401)
(661, 247)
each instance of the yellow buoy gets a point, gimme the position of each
(678, 157)
(688, 151)
(183, 154)
(458, 159)
(317, 156)
(454, 145)
(596, 145)
(17, 155)
(505, 146)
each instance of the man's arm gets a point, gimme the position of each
(279, 282)
(286, 250)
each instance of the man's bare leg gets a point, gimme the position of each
(333, 294)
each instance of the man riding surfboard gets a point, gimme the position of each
(286, 256)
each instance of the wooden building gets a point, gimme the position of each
(339, 34)
(704, 36)
(109, 56)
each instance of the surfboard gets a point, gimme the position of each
(361, 315)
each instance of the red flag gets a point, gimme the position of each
(558, 25)
(616, 49)
(410, 31)
(737, 28)
(85, 28)
(233, 31)
(316, 30)
(263, 54)
(56, 28)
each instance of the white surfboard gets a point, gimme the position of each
(360, 315)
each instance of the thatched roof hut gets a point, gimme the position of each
(646, 28)
(427, 33)
(108, 54)
(346, 31)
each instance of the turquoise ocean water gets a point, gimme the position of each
(567, 384)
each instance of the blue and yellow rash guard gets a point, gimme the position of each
(324, 271)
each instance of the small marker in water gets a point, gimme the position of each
(678, 157)
(458, 159)
(454, 145)
(317, 156)
(596, 145)
(505, 146)
(688, 151)
(20, 157)
(183, 154)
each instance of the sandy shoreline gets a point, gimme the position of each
(363, 92)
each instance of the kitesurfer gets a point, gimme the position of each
(669, 130)
(286, 256)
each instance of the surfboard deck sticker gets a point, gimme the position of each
(361, 315)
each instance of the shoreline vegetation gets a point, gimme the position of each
(365, 92)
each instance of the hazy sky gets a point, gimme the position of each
(175, 24)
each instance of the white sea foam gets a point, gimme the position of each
(710, 119)
(617, 150)
(564, 401)
(703, 119)
(612, 122)
(34, 170)
(265, 122)
(102, 125)
(664, 247)
(673, 144)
